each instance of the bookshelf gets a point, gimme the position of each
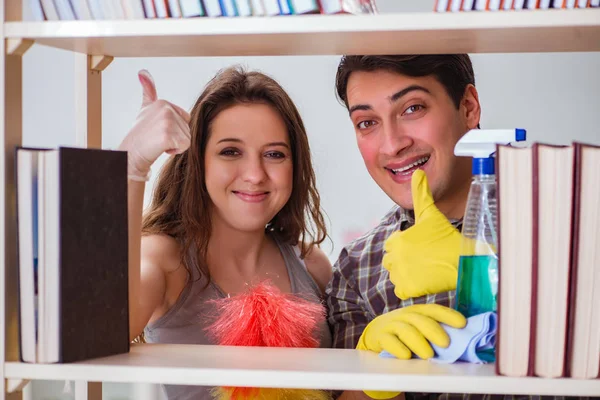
(97, 42)
(488, 32)
(310, 368)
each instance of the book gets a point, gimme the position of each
(514, 172)
(191, 8)
(149, 9)
(583, 336)
(552, 207)
(50, 11)
(27, 183)
(162, 8)
(244, 8)
(174, 9)
(72, 208)
(81, 9)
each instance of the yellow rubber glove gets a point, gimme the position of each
(407, 330)
(423, 259)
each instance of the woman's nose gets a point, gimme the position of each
(254, 171)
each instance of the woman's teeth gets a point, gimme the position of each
(417, 163)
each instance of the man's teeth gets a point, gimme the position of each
(408, 167)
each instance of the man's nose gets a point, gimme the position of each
(394, 140)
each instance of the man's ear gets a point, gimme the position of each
(470, 107)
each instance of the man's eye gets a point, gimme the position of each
(413, 109)
(365, 124)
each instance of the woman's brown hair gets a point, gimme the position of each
(180, 205)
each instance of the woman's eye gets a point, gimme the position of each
(413, 109)
(229, 152)
(365, 124)
(275, 154)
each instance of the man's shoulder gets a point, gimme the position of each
(368, 246)
(390, 222)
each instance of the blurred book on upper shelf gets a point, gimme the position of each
(508, 5)
(65, 10)
(72, 235)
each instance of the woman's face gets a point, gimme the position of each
(248, 164)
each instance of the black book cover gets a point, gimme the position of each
(94, 307)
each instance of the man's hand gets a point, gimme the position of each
(424, 258)
(407, 330)
(349, 395)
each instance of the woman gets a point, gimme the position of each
(233, 206)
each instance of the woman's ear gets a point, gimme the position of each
(470, 107)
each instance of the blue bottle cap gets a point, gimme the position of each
(483, 166)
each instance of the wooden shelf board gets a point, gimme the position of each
(425, 33)
(295, 368)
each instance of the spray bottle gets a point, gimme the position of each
(477, 286)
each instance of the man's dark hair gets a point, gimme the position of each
(453, 71)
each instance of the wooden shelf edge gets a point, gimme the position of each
(470, 32)
(295, 368)
(306, 24)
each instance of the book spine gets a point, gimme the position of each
(534, 260)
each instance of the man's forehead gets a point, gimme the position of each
(385, 84)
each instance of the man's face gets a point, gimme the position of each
(404, 123)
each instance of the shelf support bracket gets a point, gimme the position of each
(99, 63)
(16, 385)
(18, 47)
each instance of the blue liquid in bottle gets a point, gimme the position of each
(477, 288)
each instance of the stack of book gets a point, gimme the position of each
(73, 254)
(53, 10)
(549, 261)
(506, 5)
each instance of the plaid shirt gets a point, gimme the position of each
(361, 290)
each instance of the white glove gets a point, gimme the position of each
(160, 127)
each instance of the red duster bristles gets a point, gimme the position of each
(266, 317)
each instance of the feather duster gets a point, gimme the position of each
(264, 316)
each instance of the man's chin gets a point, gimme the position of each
(404, 202)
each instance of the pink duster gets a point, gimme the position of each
(264, 316)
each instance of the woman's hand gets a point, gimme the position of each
(160, 127)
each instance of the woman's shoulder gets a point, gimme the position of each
(318, 266)
(161, 250)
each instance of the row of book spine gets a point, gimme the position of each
(54, 10)
(549, 280)
(507, 5)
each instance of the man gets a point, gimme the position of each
(408, 113)
(392, 287)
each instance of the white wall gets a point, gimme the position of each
(556, 97)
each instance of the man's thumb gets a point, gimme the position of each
(148, 88)
(421, 194)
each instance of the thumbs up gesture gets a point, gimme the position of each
(423, 259)
(160, 127)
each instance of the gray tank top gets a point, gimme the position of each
(184, 323)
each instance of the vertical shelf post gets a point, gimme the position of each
(11, 125)
(88, 131)
(88, 99)
(88, 390)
